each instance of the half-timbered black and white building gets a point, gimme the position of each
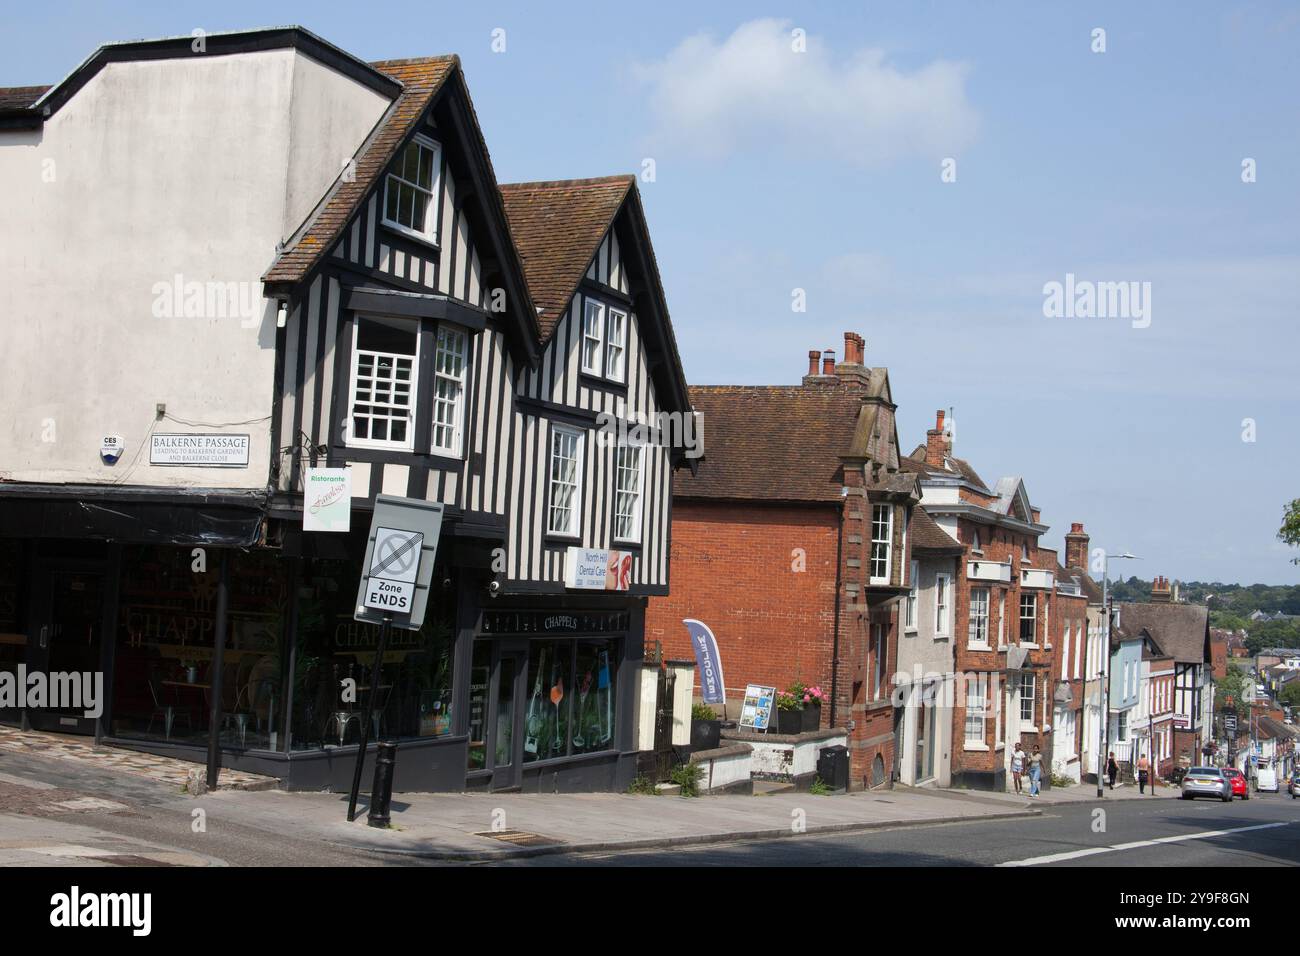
(422, 332)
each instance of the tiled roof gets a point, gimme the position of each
(1181, 630)
(928, 538)
(20, 97)
(557, 228)
(915, 462)
(771, 442)
(421, 80)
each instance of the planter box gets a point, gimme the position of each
(812, 717)
(705, 734)
(789, 721)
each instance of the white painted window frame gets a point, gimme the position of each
(456, 447)
(575, 512)
(616, 349)
(350, 440)
(634, 518)
(589, 305)
(972, 642)
(430, 234)
(942, 604)
(888, 542)
(911, 604)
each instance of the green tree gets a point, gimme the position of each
(1233, 685)
(1290, 530)
(1291, 694)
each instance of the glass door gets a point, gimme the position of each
(496, 712)
(69, 643)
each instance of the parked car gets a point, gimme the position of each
(1266, 780)
(1238, 781)
(1207, 782)
(1293, 783)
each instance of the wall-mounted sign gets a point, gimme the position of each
(756, 714)
(708, 662)
(595, 569)
(327, 499)
(199, 450)
(555, 622)
(110, 448)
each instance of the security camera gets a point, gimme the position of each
(494, 588)
(446, 583)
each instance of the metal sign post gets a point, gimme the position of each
(394, 590)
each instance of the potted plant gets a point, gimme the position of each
(812, 698)
(789, 714)
(706, 729)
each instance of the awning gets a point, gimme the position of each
(135, 515)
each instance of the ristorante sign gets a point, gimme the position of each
(199, 450)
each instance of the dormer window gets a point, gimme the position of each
(604, 340)
(410, 188)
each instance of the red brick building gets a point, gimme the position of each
(790, 542)
(1005, 629)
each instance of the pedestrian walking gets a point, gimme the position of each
(1035, 771)
(1143, 766)
(1112, 769)
(1017, 765)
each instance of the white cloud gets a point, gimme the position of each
(753, 91)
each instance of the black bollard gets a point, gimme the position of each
(381, 791)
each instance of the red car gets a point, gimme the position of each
(1238, 780)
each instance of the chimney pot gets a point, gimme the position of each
(828, 362)
(938, 420)
(813, 356)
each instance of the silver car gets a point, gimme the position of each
(1207, 782)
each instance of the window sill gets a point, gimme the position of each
(361, 445)
(978, 647)
(1029, 645)
(975, 748)
(555, 537)
(909, 631)
(600, 383)
(408, 233)
(621, 544)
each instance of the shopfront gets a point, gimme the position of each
(522, 692)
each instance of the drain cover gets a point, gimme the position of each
(519, 838)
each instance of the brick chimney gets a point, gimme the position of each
(1076, 547)
(936, 445)
(1160, 590)
(854, 348)
(814, 356)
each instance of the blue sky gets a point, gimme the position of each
(820, 170)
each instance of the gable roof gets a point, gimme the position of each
(1182, 631)
(917, 463)
(557, 227)
(421, 81)
(771, 442)
(928, 538)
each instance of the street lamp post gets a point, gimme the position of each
(1103, 732)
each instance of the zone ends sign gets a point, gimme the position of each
(400, 553)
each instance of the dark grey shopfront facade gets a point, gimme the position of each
(524, 691)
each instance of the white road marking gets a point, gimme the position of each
(1093, 851)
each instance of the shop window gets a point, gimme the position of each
(163, 664)
(572, 698)
(335, 654)
(13, 638)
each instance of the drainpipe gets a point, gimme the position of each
(835, 640)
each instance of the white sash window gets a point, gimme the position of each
(566, 469)
(449, 391)
(627, 493)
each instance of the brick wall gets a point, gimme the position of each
(763, 579)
